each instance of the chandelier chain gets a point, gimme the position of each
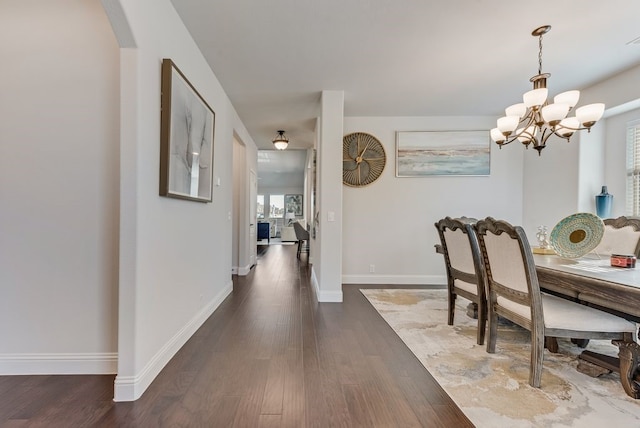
(540, 54)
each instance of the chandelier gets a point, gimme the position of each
(536, 119)
(281, 142)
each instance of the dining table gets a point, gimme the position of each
(592, 280)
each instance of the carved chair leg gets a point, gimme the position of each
(537, 355)
(482, 322)
(452, 306)
(493, 330)
(629, 354)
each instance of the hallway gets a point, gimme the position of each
(269, 356)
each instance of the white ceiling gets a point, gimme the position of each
(401, 57)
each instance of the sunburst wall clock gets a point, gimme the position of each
(363, 159)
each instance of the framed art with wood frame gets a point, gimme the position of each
(187, 126)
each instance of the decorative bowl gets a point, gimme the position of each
(576, 235)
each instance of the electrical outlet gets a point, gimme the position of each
(372, 268)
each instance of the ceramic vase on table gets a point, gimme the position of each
(603, 203)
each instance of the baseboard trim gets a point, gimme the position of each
(54, 364)
(243, 271)
(330, 296)
(314, 281)
(395, 279)
(130, 388)
(324, 296)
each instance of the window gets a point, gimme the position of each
(633, 168)
(260, 206)
(277, 206)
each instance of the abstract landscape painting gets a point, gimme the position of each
(427, 153)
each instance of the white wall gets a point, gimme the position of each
(390, 223)
(178, 264)
(550, 186)
(59, 172)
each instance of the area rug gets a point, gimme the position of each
(493, 389)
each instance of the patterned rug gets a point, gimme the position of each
(493, 389)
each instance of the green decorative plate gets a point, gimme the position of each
(576, 235)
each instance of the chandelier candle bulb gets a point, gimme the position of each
(535, 98)
(516, 110)
(554, 113)
(508, 124)
(570, 98)
(496, 135)
(588, 115)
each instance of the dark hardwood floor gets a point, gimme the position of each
(270, 356)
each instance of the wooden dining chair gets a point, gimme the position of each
(621, 236)
(513, 292)
(465, 270)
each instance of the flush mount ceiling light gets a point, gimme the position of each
(281, 142)
(536, 119)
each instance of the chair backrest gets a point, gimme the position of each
(461, 250)
(621, 236)
(509, 263)
(301, 233)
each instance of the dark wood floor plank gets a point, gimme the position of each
(269, 421)
(359, 410)
(270, 355)
(274, 389)
(248, 412)
(293, 404)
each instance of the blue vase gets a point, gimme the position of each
(603, 203)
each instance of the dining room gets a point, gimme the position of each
(562, 309)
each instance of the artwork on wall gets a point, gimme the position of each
(429, 153)
(186, 138)
(293, 204)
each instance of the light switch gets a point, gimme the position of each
(331, 216)
(217, 181)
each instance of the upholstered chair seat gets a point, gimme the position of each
(563, 314)
(471, 288)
